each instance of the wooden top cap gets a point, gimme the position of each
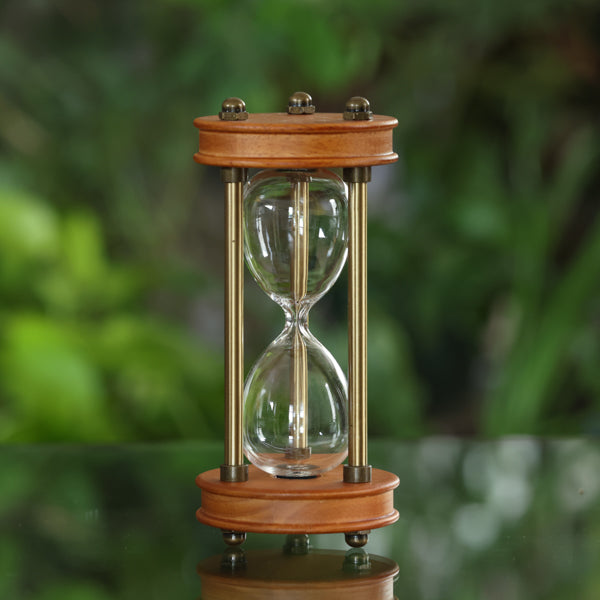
(296, 141)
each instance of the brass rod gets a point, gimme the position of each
(234, 323)
(299, 391)
(300, 254)
(357, 325)
(299, 281)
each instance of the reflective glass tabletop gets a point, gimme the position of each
(514, 518)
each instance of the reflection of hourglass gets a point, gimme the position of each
(295, 422)
(297, 573)
(296, 419)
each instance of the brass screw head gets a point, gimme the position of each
(300, 103)
(358, 109)
(233, 109)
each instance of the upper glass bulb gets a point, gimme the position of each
(270, 218)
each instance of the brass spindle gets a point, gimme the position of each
(299, 282)
(358, 469)
(234, 468)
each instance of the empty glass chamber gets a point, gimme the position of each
(295, 396)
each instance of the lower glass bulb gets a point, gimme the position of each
(295, 419)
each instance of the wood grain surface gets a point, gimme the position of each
(279, 140)
(265, 504)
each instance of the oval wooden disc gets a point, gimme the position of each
(265, 504)
(279, 140)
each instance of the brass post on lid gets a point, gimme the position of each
(233, 109)
(358, 109)
(300, 103)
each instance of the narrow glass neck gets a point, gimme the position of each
(296, 315)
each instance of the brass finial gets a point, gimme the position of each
(300, 103)
(233, 109)
(358, 109)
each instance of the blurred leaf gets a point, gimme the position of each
(74, 590)
(54, 391)
(396, 398)
(83, 248)
(525, 389)
(28, 228)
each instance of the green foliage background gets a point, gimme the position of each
(484, 239)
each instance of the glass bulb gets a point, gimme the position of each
(289, 441)
(295, 397)
(269, 224)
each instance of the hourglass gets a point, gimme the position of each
(296, 418)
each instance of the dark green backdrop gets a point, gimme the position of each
(484, 259)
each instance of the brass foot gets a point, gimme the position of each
(357, 539)
(233, 538)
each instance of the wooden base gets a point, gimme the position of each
(265, 504)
